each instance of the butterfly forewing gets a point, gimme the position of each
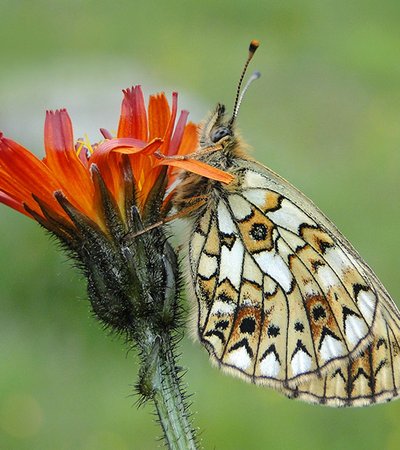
(285, 300)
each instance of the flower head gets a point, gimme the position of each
(98, 198)
(79, 178)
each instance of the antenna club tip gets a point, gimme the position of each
(254, 44)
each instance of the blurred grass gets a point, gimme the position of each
(325, 115)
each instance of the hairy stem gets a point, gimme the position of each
(170, 403)
(160, 380)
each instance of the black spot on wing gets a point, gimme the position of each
(248, 325)
(258, 231)
(359, 287)
(273, 330)
(227, 240)
(298, 326)
(381, 342)
(316, 264)
(348, 312)
(222, 324)
(318, 312)
(223, 297)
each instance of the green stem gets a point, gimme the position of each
(160, 381)
(169, 401)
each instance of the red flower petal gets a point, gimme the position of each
(178, 133)
(12, 203)
(171, 124)
(133, 120)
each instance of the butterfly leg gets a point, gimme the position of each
(196, 203)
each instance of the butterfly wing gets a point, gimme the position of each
(373, 376)
(284, 299)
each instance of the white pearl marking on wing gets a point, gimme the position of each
(255, 196)
(225, 221)
(331, 348)
(327, 276)
(274, 266)
(254, 180)
(239, 358)
(208, 265)
(270, 366)
(240, 208)
(366, 302)
(301, 363)
(289, 216)
(355, 329)
(231, 264)
(220, 307)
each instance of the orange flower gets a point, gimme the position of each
(74, 179)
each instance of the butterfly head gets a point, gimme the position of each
(217, 130)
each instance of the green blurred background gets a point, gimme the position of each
(325, 115)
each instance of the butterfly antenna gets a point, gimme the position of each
(256, 75)
(254, 44)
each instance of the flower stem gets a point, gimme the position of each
(160, 381)
(170, 403)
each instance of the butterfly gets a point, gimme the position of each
(284, 300)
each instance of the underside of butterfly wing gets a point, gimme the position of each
(373, 376)
(284, 300)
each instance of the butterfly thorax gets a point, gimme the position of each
(220, 147)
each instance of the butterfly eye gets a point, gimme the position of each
(219, 133)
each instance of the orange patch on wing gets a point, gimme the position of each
(213, 243)
(272, 201)
(317, 238)
(257, 232)
(320, 316)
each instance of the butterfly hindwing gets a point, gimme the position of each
(284, 299)
(370, 377)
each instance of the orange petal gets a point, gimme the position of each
(149, 149)
(203, 169)
(72, 175)
(22, 173)
(190, 140)
(171, 124)
(149, 180)
(159, 115)
(103, 149)
(133, 119)
(107, 159)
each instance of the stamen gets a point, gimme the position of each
(106, 134)
(84, 148)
